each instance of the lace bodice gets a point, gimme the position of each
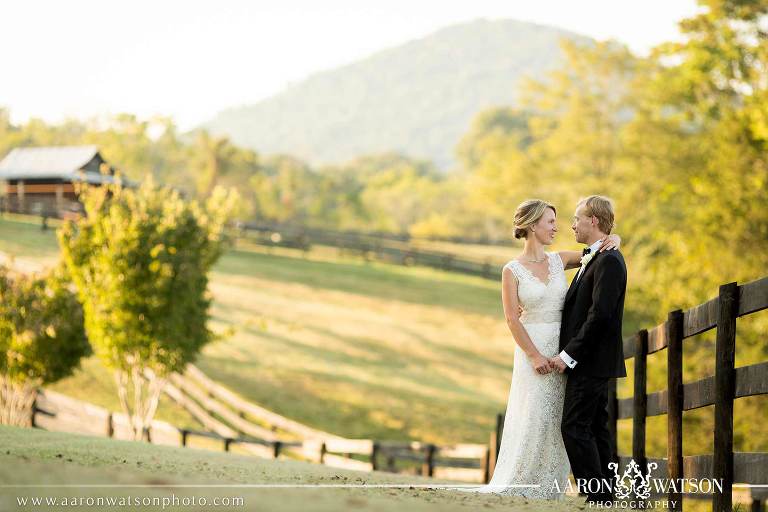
(541, 302)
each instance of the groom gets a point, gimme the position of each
(592, 348)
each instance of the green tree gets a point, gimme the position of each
(140, 260)
(496, 169)
(398, 194)
(700, 142)
(575, 122)
(678, 139)
(210, 157)
(283, 190)
(42, 339)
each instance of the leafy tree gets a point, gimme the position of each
(283, 190)
(575, 122)
(699, 145)
(489, 125)
(140, 260)
(42, 339)
(395, 197)
(497, 169)
(700, 152)
(678, 139)
(212, 158)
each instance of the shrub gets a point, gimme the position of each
(140, 258)
(41, 336)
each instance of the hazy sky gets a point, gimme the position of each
(190, 59)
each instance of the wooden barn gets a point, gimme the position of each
(40, 180)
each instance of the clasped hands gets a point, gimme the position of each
(544, 365)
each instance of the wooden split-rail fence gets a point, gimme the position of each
(394, 250)
(231, 422)
(230, 419)
(719, 390)
(213, 405)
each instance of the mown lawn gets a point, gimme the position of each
(36, 463)
(359, 349)
(363, 350)
(366, 350)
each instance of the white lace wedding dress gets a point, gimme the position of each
(532, 455)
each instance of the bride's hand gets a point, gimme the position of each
(540, 364)
(611, 242)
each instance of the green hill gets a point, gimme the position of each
(417, 98)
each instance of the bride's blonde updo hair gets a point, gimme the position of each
(528, 213)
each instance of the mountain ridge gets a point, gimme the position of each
(416, 99)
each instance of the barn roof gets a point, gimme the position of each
(53, 162)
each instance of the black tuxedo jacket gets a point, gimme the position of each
(590, 331)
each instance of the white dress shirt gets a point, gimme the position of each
(568, 360)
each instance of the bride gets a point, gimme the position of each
(532, 461)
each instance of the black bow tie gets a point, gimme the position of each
(586, 251)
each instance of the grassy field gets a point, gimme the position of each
(36, 463)
(359, 349)
(23, 239)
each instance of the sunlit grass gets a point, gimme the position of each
(94, 383)
(359, 349)
(363, 350)
(81, 466)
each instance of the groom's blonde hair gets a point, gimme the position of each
(602, 208)
(528, 213)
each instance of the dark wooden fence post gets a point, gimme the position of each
(184, 434)
(640, 401)
(227, 442)
(34, 401)
(495, 443)
(487, 465)
(725, 386)
(674, 332)
(375, 455)
(428, 468)
(276, 449)
(110, 425)
(491, 454)
(499, 433)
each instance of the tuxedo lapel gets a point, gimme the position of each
(576, 282)
(571, 289)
